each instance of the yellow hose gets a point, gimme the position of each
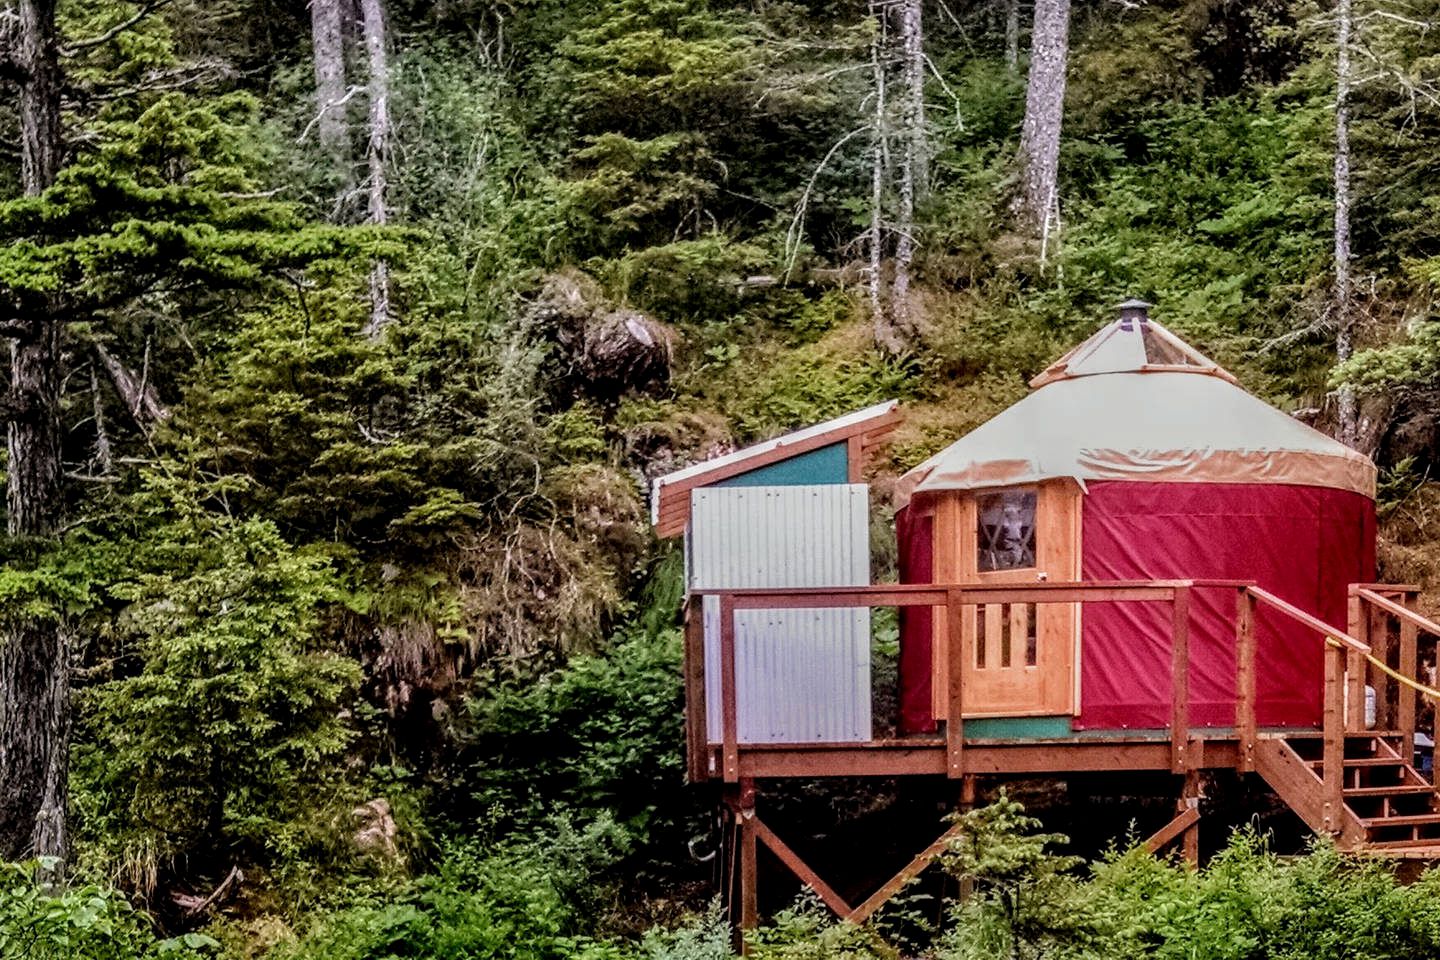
(1399, 677)
(1416, 685)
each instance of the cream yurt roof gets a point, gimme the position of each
(1135, 402)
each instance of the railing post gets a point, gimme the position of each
(1405, 706)
(1180, 678)
(697, 730)
(955, 654)
(1245, 721)
(729, 720)
(1333, 789)
(1358, 626)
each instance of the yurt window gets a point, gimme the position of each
(1005, 533)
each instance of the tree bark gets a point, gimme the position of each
(377, 153)
(914, 159)
(1343, 294)
(34, 659)
(1037, 207)
(327, 35)
(39, 62)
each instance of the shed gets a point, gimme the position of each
(790, 512)
(1134, 458)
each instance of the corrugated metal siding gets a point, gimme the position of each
(801, 675)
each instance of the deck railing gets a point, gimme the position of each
(1354, 658)
(953, 600)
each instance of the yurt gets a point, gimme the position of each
(1135, 457)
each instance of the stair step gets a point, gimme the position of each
(1364, 762)
(1409, 849)
(1401, 789)
(1409, 820)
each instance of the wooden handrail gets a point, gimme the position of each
(1314, 623)
(1405, 614)
(942, 587)
(937, 595)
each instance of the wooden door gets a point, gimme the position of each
(1020, 658)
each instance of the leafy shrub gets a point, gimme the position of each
(521, 901)
(601, 736)
(90, 922)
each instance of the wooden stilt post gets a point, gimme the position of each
(967, 792)
(749, 898)
(1190, 796)
(740, 872)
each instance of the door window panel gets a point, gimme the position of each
(1005, 533)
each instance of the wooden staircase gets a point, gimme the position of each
(1386, 807)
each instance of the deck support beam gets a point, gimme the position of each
(738, 871)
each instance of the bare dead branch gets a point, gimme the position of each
(70, 50)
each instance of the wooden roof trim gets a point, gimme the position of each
(1063, 369)
(1048, 377)
(670, 494)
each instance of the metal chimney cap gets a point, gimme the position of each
(1134, 309)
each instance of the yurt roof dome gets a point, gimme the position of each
(1135, 402)
(1132, 344)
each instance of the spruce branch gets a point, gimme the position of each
(73, 48)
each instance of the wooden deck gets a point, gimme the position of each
(1356, 784)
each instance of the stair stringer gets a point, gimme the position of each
(1297, 784)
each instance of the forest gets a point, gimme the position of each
(346, 336)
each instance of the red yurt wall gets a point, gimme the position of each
(1304, 544)
(916, 536)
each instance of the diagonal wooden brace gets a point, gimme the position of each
(909, 872)
(827, 893)
(1183, 821)
(801, 869)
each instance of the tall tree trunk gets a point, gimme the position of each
(1037, 206)
(377, 153)
(1012, 35)
(914, 158)
(34, 659)
(880, 319)
(1348, 414)
(328, 39)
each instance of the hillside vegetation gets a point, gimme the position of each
(372, 651)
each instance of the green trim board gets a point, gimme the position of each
(823, 465)
(1060, 728)
(1017, 728)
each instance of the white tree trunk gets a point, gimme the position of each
(880, 320)
(328, 39)
(377, 153)
(1037, 207)
(913, 158)
(1347, 416)
(1012, 35)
